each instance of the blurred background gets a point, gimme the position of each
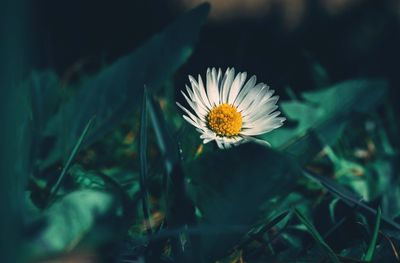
(277, 40)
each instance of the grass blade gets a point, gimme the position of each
(143, 160)
(264, 229)
(349, 197)
(167, 146)
(180, 210)
(71, 157)
(372, 245)
(317, 237)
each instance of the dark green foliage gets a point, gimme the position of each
(107, 166)
(372, 245)
(318, 238)
(230, 186)
(98, 105)
(113, 93)
(143, 160)
(71, 157)
(325, 112)
(73, 218)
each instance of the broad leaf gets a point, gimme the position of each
(317, 237)
(69, 221)
(229, 187)
(326, 112)
(116, 90)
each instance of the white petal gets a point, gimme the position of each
(238, 140)
(254, 95)
(198, 89)
(219, 79)
(260, 115)
(236, 87)
(191, 121)
(268, 94)
(255, 132)
(200, 112)
(264, 128)
(243, 92)
(194, 118)
(203, 92)
(190, 92)
(262, 101)
(256, 140)
(208, 134)
(220, 144)
(264, 109)
(212, 89)
(221, 85)
(265, 121)
(195, 96)
(207, 140)
(264, 125)
(226, 143)
(229, 77)
(251, 96)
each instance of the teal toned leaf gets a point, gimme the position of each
(167, 146)
(353, 200)
(143, 161)
(69, 221)
(266, 227)
(326, 112)
(71, 157)
(114, 92)
(45, 94)
(317, 237)
(369, 256)
(230, 186)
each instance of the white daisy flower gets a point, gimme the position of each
(228, 110)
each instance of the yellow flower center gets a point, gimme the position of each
(225, 120)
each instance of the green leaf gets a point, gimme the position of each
(71, 157)
(180, 212)
(332, 207)
(325, 112)
(167, 146)
(265, 228)
(114, 92)
(69, 221)
(143, 161)
(369, 256)
(230, 186)
(45, 94)
(353, 200)
(317, 237)
(345, 175)
(357, 95)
